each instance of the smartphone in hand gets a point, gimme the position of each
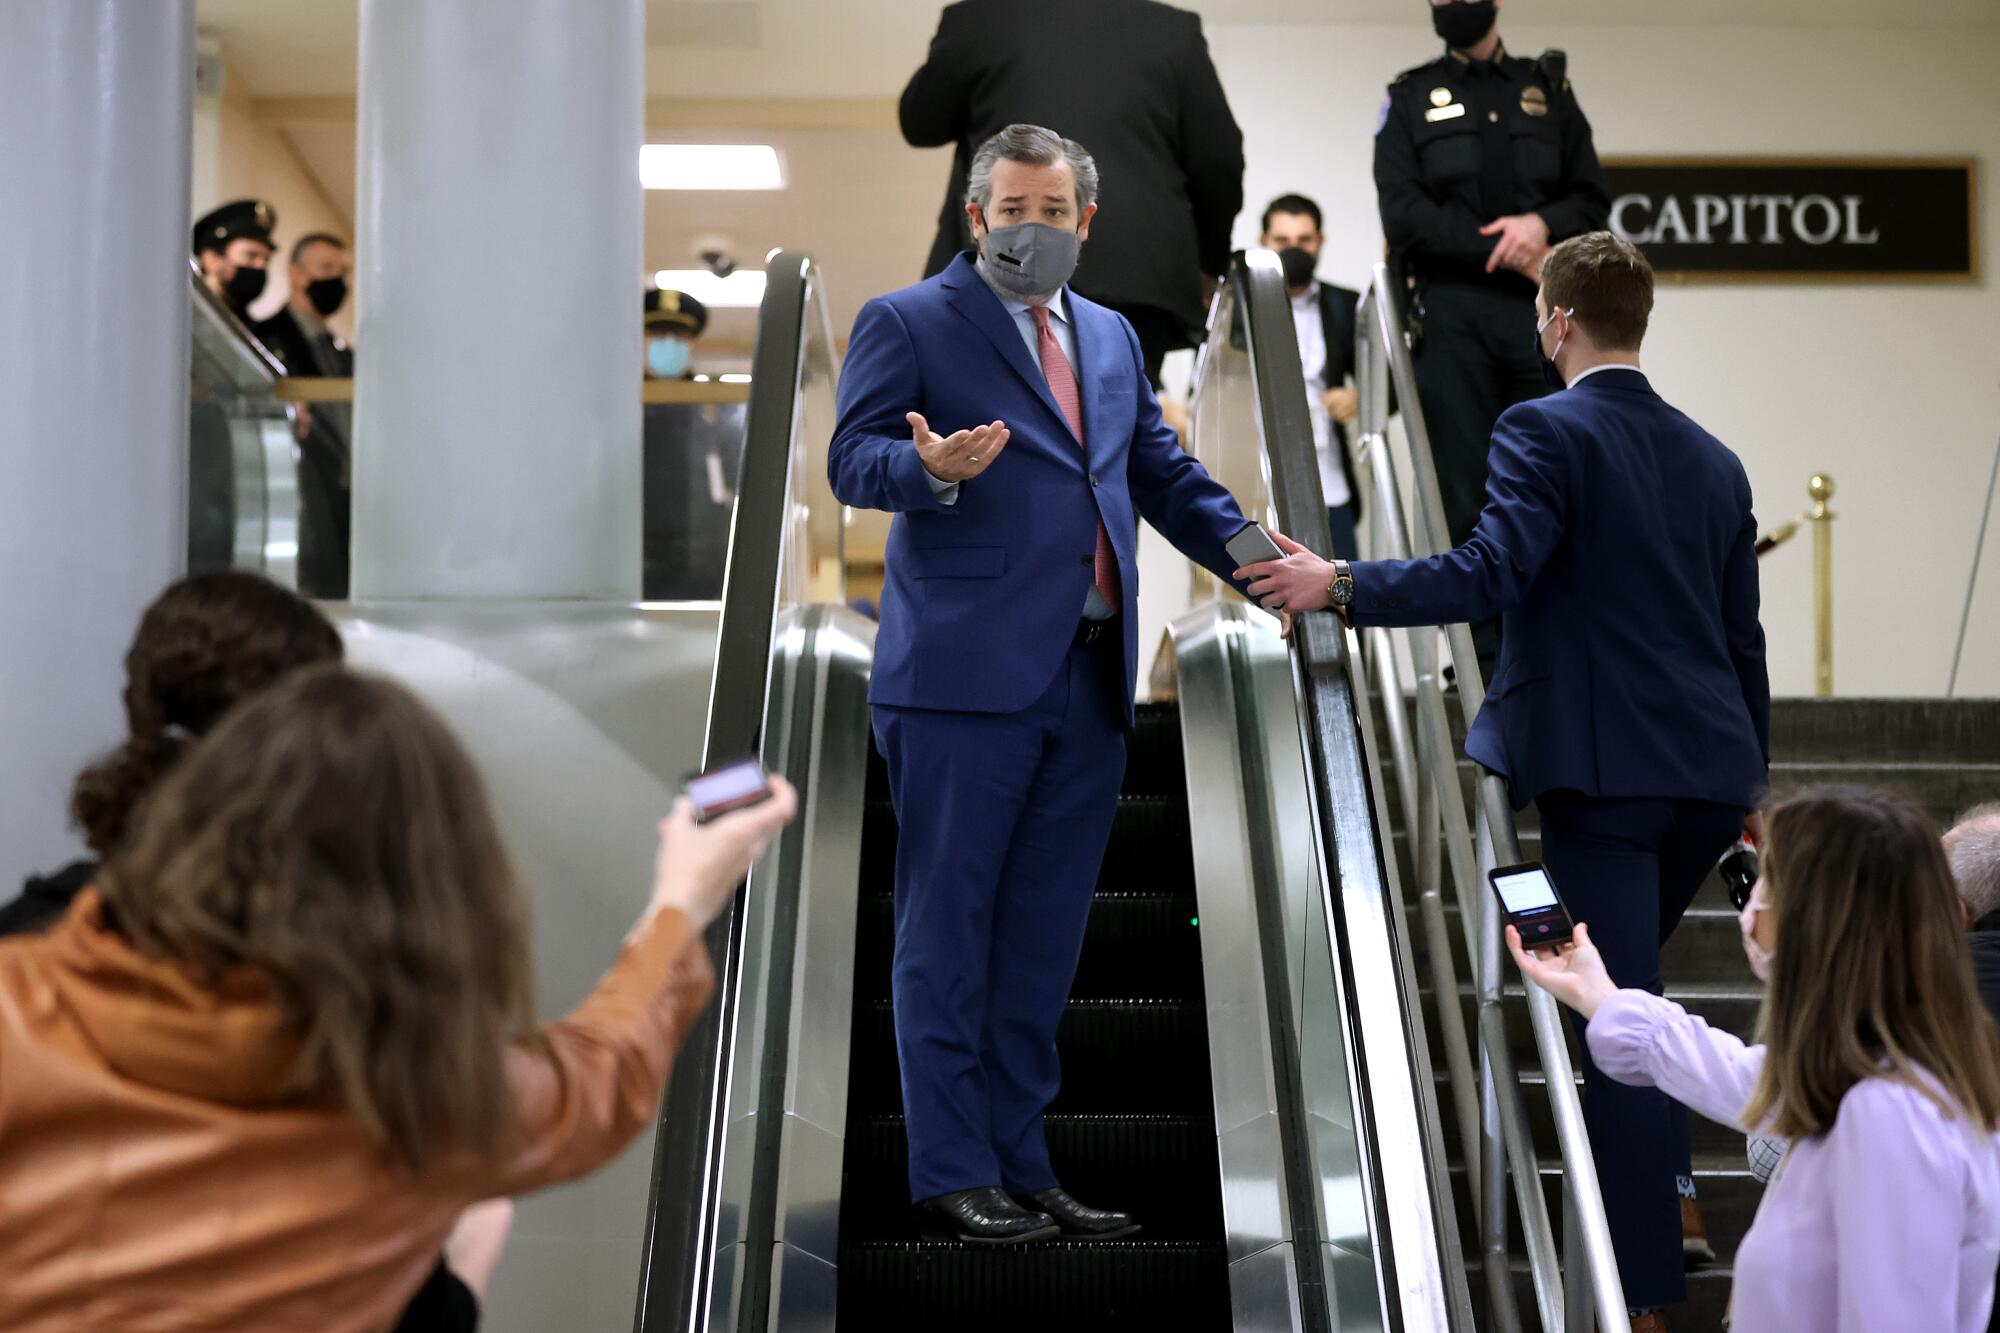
(1528, 898)
(732, 786)
(1252, 546)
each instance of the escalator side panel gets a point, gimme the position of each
(1256, 1210)
(786, 1060)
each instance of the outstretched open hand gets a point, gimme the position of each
(1574, 973)
(961, 455)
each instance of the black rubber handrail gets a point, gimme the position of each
(677, 1263)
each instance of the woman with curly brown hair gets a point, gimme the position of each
(260, 1068)
(208, 642)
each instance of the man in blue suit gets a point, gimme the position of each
(1630, 702)
(1008, 424)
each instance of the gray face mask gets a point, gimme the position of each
(1030, 258)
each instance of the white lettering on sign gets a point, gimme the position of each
(1773, 219)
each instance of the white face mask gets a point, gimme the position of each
(1746, 922)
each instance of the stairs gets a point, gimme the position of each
(1133, 1127)
(1943, 754)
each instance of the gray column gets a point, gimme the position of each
(96, 97)
(498, 217)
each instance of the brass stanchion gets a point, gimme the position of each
(1821, 518)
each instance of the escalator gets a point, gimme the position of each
(1245, 1064)
(1133, 1127)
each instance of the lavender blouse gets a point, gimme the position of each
(1888, 1222)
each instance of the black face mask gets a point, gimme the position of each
(1463, 23)
(326, 294)
(1299, 265)
(244, 286)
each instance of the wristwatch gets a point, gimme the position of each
(1340, 589)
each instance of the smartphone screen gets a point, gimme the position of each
(1529, 897)
(730, 787)
(1251, 546)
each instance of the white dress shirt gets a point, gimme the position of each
(1311, 327)
(1608, 365)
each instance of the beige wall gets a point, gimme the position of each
(1891, 388)
(239, 156)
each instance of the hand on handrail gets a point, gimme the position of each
(1299, 582)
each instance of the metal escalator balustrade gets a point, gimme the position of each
(1336, 1163)
(1577, 1287)
(741, 1222)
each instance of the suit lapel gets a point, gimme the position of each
(1093, 355)
(973, 299)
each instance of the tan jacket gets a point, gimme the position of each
(150, 1179)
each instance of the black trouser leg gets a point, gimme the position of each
(1469, 371)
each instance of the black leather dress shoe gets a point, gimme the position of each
(985, 1216)
(1078, 1220)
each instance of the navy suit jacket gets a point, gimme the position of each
(1618, 542)
(982, 597)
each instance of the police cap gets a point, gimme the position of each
(676, 311)
(249, 218)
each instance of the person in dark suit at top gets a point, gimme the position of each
(298, 335)
(1005, 422)
(1131, 78)
(1631, 704)
(1323, 316)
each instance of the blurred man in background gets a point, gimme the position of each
(1323, 316)
(1131, 78)
(299, 337)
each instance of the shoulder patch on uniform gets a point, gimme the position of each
(1382, 115)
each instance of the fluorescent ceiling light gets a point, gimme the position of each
(710, 166)
(741, 290)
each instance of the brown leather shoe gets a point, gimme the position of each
(1654, 1322)
(1696, 1252)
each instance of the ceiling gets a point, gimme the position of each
(848, 48)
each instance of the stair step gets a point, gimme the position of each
(1943, 790)
(1938, 730)
(1726, 1190)
(1721, 1145)
(1137, 1056)
(1135, 942)
(1140, 1283)
(1705, 950)
(1707, 1298)
(1160, 1168)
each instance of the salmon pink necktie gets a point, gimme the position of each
(1062, 383)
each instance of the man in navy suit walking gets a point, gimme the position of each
(1630, 703)
(1008, 424)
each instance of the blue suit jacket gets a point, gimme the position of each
(982, 597)
(1618, 542)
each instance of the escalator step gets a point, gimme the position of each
(1160, 1168)
(1118, 1056)
(1120, 1284)
(1149, 847)
(1135, 942)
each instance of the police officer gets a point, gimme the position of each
(1483, 161)
(233, 246)
(674, 320)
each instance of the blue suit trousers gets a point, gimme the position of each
(1629, 869)
(1004, 819)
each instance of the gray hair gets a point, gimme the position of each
(1973, 844)
(1038, 148)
